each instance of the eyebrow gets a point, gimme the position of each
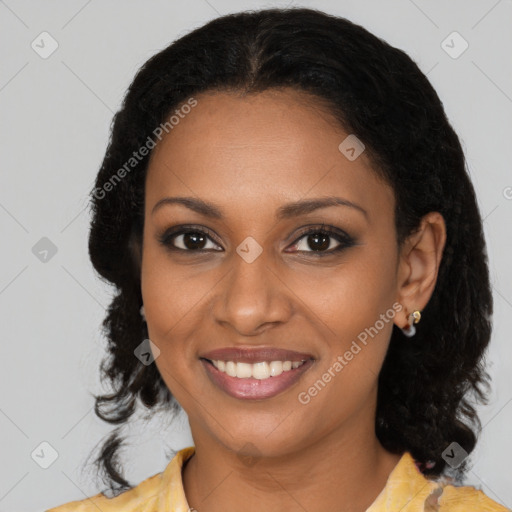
(286, 211)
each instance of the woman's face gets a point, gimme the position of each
(262, 274)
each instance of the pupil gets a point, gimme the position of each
(192, 240)
(315, 240)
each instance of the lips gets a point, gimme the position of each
(254, 389)
(255, 355)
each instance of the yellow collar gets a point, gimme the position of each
(173, 495)
(406, 489)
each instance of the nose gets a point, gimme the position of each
(253, 297)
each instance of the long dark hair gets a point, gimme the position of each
(427, 383)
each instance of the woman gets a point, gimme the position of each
(286, 204)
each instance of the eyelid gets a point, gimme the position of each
(343, 238)
(322, 228)
(171, 233)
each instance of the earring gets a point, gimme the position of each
(142, 313)
(409, 330)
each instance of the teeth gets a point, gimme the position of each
(261, 370)
(243, 370)
(231, 368)
(276, 368)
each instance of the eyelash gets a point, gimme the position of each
(345, 240)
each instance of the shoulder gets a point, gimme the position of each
(158, 493)
(408, 490)
(462, 499)
(142, 498)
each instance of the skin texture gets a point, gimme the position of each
(250, 155)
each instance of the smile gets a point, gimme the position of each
(255, 381)
(261, 370)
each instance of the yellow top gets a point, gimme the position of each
(406, 490)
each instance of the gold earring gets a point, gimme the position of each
(409, 330)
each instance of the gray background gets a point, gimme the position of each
(55, 116)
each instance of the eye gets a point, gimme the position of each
(322, 241)
(193, 239)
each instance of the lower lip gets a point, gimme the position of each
(255, 389)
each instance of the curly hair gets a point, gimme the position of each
(429, 383)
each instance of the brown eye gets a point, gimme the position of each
(323, 241)
(318, 242)
(191, 240)
(188, 240)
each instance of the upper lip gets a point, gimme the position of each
(254, 355)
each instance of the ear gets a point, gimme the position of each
(418, 266)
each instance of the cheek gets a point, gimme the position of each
(355, 303)
(351, 296)
(173, 296)
(346, 375)
(171, 292)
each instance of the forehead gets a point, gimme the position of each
(266, 148)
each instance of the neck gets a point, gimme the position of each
(345, 470)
